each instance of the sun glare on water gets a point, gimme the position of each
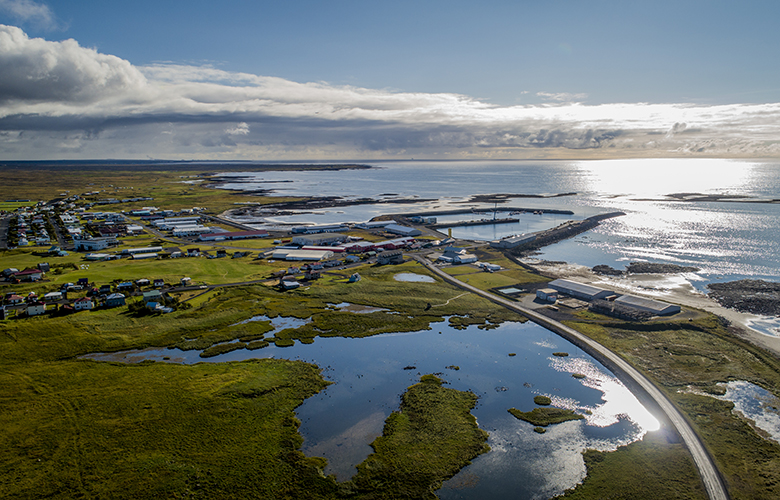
(659, 177)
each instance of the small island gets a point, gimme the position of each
(542, 417)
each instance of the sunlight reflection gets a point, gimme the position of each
(658, 177)
(618, 400)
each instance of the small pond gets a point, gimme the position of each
(757, 404)
(413, 277)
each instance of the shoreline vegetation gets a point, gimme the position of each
(79, 427)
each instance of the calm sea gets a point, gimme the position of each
(726, 240)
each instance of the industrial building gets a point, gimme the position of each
(513, 241)
(402, 230)
(296, 254)
(652, 306)
(318, 239)
(580, 290)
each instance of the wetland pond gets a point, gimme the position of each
(370, 374)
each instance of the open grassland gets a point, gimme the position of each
(100, 430)
(167, 187)
(680, 355)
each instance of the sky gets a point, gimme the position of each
(351, 80)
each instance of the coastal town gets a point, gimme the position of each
(69, 235)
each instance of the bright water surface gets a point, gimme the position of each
(340, 422)
(726, 240)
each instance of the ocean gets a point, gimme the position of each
(733, 234)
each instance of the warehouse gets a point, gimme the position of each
(580, 290)
(290, 254)
(319, 239)
(652, 306)
(402, 230)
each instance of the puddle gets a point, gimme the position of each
(415, 278)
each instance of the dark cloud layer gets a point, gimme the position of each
(58, 99)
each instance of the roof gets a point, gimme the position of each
(566, 286)
(645, 304)
(115, 296)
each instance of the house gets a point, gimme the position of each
(8, 272)
(105, 289)
(153, 296)
(311, 274)
(186, 281)
(43, 267)
(354, 278)
(390, 257)
(289, 284)
(126, 286)
(84, 282)
(52, 297)
(36, 308)
(14, 299)
(193, 252)
(142, 282)
(221, 253)
(28, 275)
(158, 283)
(83, 304)
(115, 300)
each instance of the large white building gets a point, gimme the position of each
(295, 254)
(318, 239)
(580, 290)
(95, 244)
(644, 304)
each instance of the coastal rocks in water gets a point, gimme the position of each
(750, 296)
(644, 268)
(607, 270)
(656, 268)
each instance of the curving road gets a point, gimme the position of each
(642, 387)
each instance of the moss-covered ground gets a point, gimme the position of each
(542, 417)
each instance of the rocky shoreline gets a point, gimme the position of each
(749, 296)
(644, 268)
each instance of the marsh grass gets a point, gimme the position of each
(651, 468)
(86, 429)
(702, 353)
(427, 441)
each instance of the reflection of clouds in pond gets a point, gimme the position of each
(757, 404)
(618, 400)
(349, 447)
(546, 343)
(414, 278)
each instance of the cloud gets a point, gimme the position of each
(27, 11)
(561, 96)
(33, 70)
(60, 99)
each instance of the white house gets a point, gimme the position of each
(83, 304)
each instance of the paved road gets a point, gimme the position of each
(645, 390)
